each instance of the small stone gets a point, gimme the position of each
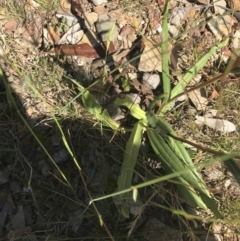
(219, 6)
(60, 156)
(133, 75)
(64, 7)
(177, 15)
(236, 42)
(11, 26)
(90, 19)
(151, 80)
(75, 37)
(234, 4)
(221, 26)
(100, 9)
(135, 98)
(151, 58)
(71, 35)
(106, 28)
(99, 2)
(199, 98)
(115, 112)
(223, 126)
(172, 30)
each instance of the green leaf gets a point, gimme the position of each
(165, 55)
(130, 157)
(134, 109)
(172, 164)
(94, 108)
(135, 194)
(234, 168)
(191, 73)
(190, 183)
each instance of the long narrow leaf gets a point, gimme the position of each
(179, 88)
(165, 55)
(130, 157)
(94, 108)
(134, 109)
(173, 164)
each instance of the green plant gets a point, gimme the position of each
(166, 145)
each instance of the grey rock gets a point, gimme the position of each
(151, 80)
(105, 27)
(60, 156)
(115, 112)
(99, 2)
(135, 98)
(177, 15)
(172, 30)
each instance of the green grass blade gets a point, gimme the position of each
(66, 143)
(172, 164)
(130, 157)
(175, 145)
(234, 168)
(188, 182)
(94, 108)
(165, 55)
(134, 109)
(12, 100)
(179, 88)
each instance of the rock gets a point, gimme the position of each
(172, 30)
(115, 112)
(221, 26)
(135, 98)
(151, 80)
(99, 2)
(69, 19)
(75, 37)
(60, 156)
(204, 1)
(64, 7)
(106, 28)
(216, 124)
(199, 98)
(219, 6)
(150, 59)
(72, 36)
(18, 220)
(177, 15)
(89, 38)
(90, 19)
(236, 42)
(234, 4)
